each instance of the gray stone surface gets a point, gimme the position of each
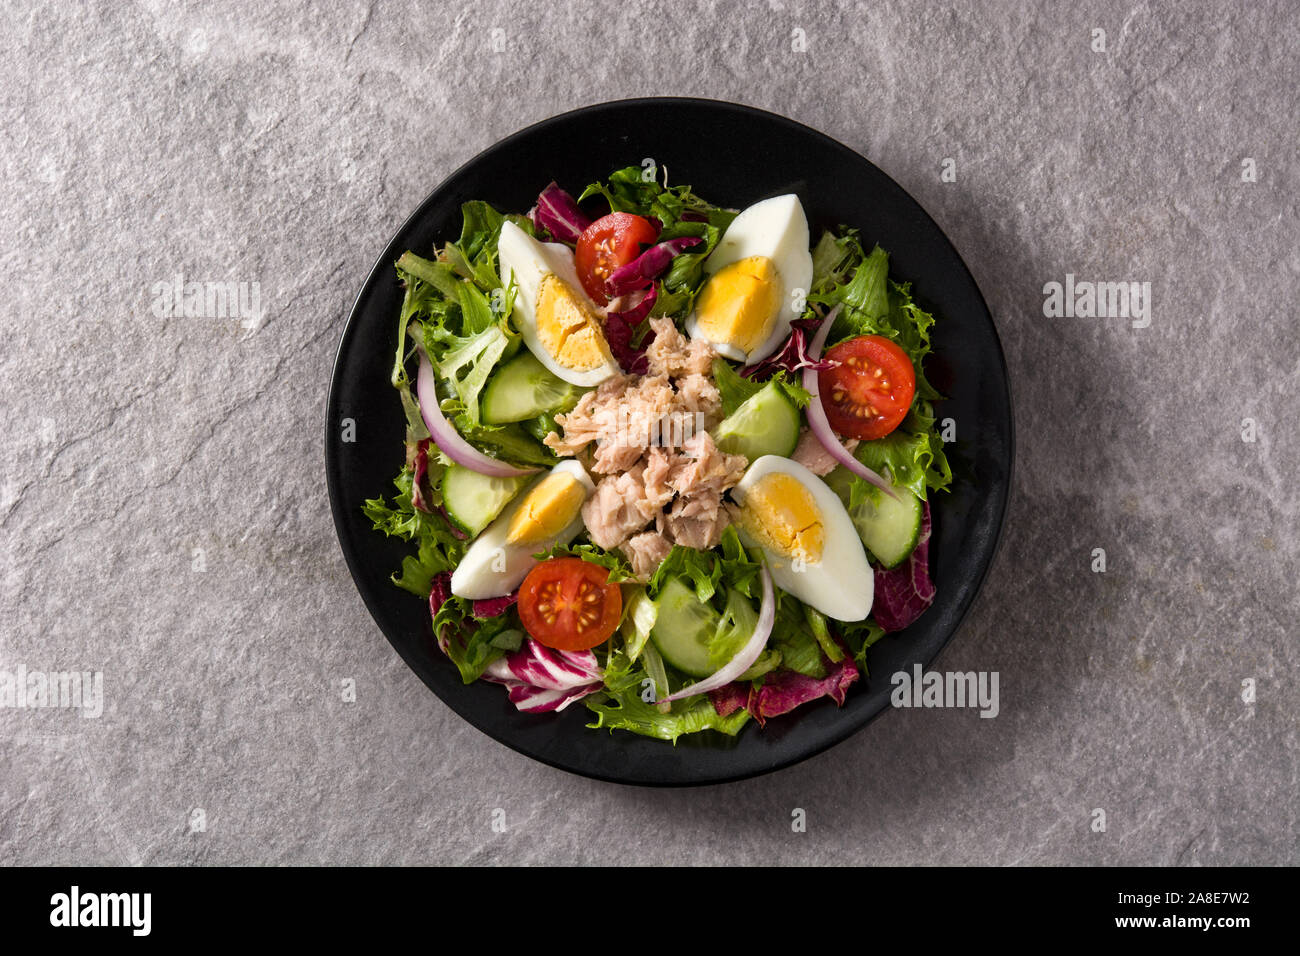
(266, 143)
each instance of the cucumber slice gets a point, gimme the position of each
(683, 627)
(523, 388)
(888, 527)
(697, 640)
(473, 500)
(766, 423)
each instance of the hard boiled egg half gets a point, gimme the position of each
(546, 513)
(559, 324)
(811, 545)
(758, 273)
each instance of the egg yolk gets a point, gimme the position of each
(782, 516)
(739, 304)
(568, 328)
(549, 508)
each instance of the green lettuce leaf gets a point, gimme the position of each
(474, 255)
(791, 635)
(859, 636)
(627, 711)
(818, 624)
(708, 571)
(623, 704)
(834, 258)
(639, 615)
(473, 643)
(675, 304)
(865, 298)
(735, 628)
(734, 389)
(619, 569)
(627, 190)
(438, 547)
(466, 362)
(510, 443)
(914, 460)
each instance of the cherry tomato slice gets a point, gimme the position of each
(868, 392)
(609, 242)
(569, 604)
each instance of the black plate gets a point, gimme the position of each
(734, 156)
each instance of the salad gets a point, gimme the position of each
(664, 460)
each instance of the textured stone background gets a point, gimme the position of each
(265, 143)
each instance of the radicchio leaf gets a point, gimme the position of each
(417, 454)
(534, 700)
(557, 212)
(439, 592)
(494, 607)
(903, 593)
(539, 679)
(793, 356)
(647, 267)
(621, 329)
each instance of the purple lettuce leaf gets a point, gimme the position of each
(903, 593)
(730, 698)
(783, 691)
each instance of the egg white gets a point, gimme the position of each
(528, 261)
(841, 584)
(492, 567)
(776, 228)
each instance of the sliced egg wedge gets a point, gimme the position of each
(559, 324)
(758, 277)
(546, 513)
(807, 536)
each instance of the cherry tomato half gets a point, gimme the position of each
(867, 394)
(569, 604)
(609, 242)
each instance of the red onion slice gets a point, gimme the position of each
(445, 436)
(820, 425)
(746, 656)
